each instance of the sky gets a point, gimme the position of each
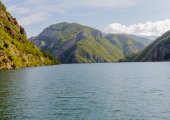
(138, 17)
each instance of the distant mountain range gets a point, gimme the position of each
(129, 44)
(75, 43)
(149, 37)
(15, 49)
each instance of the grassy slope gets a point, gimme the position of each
(148, 51)
(15, 50)
(126, 43)
(89, 50)
(96, 48)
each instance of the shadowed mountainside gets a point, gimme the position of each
(159, 50)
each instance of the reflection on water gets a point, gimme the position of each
(86, 92)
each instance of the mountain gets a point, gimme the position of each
(159, 50)
(15, 50)
(128, 43)
(142, 39)
(75, 43)
(152, 38)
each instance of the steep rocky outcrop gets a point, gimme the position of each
(15, 50)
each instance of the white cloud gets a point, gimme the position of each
(28, 20)
(18, 10)
(148, 29)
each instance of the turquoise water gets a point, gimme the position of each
(115, 91)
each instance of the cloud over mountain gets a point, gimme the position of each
(148, 29)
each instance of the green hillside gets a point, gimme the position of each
(159, 50)
(75, 43)
(15, 50)
(126, 43)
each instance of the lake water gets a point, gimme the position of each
(115, 91)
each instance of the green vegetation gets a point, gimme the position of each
(126, 43)
(15, 50)
(157, 51)
(75, 43)
(88, 50)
